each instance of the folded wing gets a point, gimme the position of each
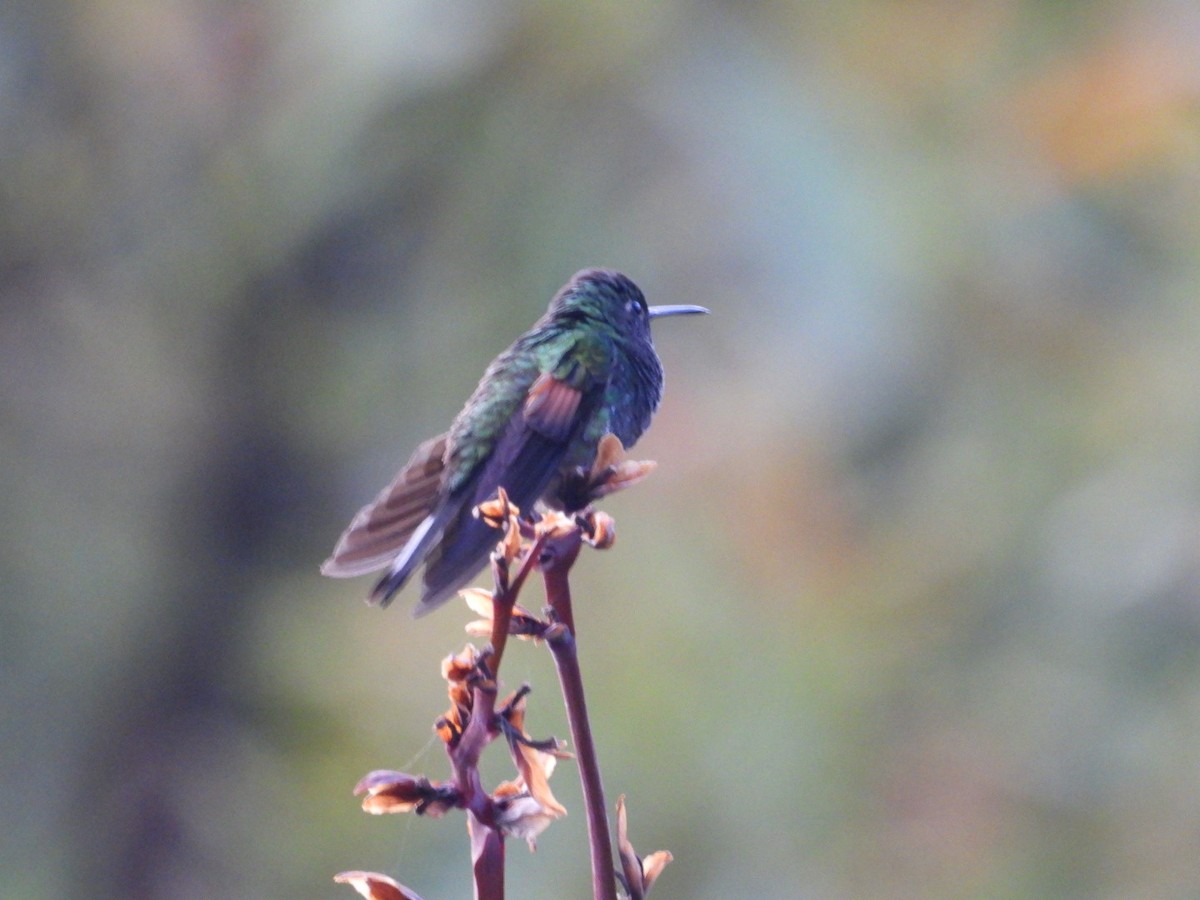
(525, 460)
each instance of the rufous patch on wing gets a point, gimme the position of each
(550, 407)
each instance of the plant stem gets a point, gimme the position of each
(487, 843)
(504, 597)
(557, 557)
(487, 859)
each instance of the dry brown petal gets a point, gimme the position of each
(461, 671)
(514, 709)
(653, 865)
(631, 866)
(460, 702)
(600, 530)
(458, 668)
(512, 540)
(479, 628)
(452, 724)
(511, 788)
(522, 625)
(536, 767)
(555, 524)
(481, 602)
(383, 804)
(448, 729)
(374, 886)
(622, 476)
(637, 874)
(609, 452)
(525, 818)
(377, 777)
(611, 472)
(461, 698)
(399, 792)
(400, 785)
(526, 626)
(498, 511)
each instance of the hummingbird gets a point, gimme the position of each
(586, 368)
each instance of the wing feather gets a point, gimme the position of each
(381, 528)
(550, 407)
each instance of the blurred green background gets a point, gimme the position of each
(911, 607)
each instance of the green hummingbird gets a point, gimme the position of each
(587, 367)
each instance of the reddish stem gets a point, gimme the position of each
(487, 859)
(487, 843)
(504, 597)
(556, 558)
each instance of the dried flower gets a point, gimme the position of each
(535, 760)
(511, 545)
(599, 529)
(610, 472)
(462, 672)
(523, 623)
(554, 524)
(637, 875)
(522, 816)
(498, 511)
(458, 668)
(525, 806)
(374, 886)
(397, 792)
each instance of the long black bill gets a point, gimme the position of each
(680, 310)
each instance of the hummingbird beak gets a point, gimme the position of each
(681, 310)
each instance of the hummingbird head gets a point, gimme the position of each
(607, 298)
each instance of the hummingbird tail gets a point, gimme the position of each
(410, 557)
(386, 589)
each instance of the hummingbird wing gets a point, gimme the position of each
(382, 528)
(524, 461)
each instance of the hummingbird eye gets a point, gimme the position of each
(635, 307)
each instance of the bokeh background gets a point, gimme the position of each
(911, 607)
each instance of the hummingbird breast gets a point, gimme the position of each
(631, 396)
(634, 392)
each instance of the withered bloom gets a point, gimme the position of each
(523, 623)
(374, 886)
(525, 806)
(519, 815)
(610, 472)
(637, 875)
(461, 672)
(398, 792)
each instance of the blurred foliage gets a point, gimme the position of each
(911, 607)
